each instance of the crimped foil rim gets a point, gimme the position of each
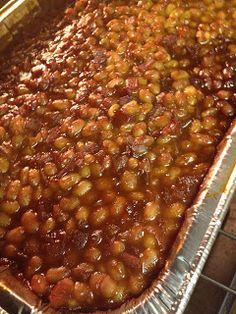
(172, 290)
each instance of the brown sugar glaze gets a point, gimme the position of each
(109, 119)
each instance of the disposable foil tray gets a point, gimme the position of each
(171, 291)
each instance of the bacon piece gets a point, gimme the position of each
(132, 83)
(131, 261)
(61, 293)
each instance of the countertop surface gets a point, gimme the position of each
(220, 266)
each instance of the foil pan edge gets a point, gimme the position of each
(172, 290)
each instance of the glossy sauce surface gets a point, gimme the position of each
(109, 119)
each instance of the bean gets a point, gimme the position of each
(176, 210)
(38, 193)
(5, 220)
(108, 287)
(121, 293)
(164, 159)
(17, 125)
(69, 203)
(116, 270)
(82, 214)
(29, 221)
(139, 129)
(137, 196)
(95, 281)
(152, 75)
(151, 211)
(50, 169)
(4, 165)
(164, 139)
(179, 75)
(10, 207)
(54, 275)
(34, 177)
(70, 93)
(47, 193)
(136, 233)
(146, 108)
(118, 206)
(93, 255)
(196, 126)
(10, 251)
(25, 196)
(89, 198)
(133, 163)
(48, 226)
(131, 108)
(2, 134)
(83, 293)
(61, 104)
(113, 109)
(34, 265)
(146, 96)
(70, 227)
(82, 188)
(209, 112)
(68, 181)
(85, 172)
(117, 247)
(186, 145)
(61, 142)
(155, 88)
(136, 284)
(96, 170)
(15, 235)
(90, 130)
(161, 121)
(149, 259)
(99, 216)
(115, 82)
(39, 284)
(226, 108)
(129, 181)
(89, 159)
(173, 174)
(76, 127)
(24, 175)
(22, 89)
(202, 139)
(186, 159)
(82, 271)
(209, 123)
(149, 241)
(142, 81)
(13, 190)
(111, 147)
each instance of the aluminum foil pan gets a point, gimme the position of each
(172, 289)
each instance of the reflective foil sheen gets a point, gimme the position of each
(172, 289)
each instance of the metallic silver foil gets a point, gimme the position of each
(171, 291)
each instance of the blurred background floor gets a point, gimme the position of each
(221, 266)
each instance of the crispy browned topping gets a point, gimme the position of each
(109, 121)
